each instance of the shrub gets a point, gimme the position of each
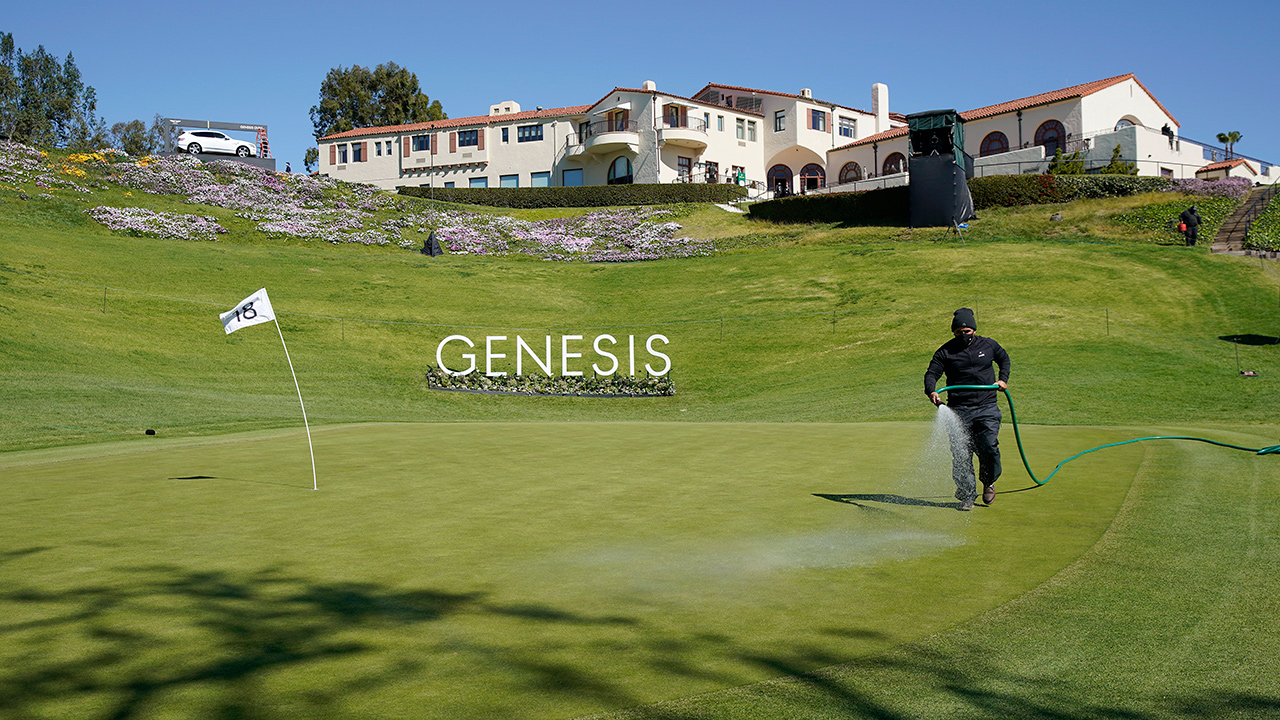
(1264, 234)
(1016, 190)
(1092, 187)
(586, 196)
(1072, 164)
(1118, 166)
(1234, 187)
(886, 206)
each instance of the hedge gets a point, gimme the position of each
(886, 206)
(585, 196)
(1018, 190)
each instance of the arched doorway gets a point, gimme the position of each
(813, 176)
(994, 144)
(894, 164)
(1052, 136)
(620, 171)
(851, 172)
(780, 180)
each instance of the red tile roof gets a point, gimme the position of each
(1075, 91)
(1227, 165)
(672, 95)
(460, 122)
(815, 101)
(889, 134)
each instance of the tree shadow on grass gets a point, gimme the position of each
(1250, 339)
(157, 636)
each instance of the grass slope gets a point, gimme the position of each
(500, 570)
(551, 557)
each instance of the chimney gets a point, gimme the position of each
(880, 106)
(504, 108)
(806, 93)
(649, 85)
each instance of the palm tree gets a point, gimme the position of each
(1230, 139)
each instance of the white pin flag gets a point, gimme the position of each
(252, 310)
(257, 309)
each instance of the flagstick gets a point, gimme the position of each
(314, 484)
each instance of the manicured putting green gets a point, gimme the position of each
(485, 570)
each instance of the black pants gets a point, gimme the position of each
(982, 423)
(1191, 233)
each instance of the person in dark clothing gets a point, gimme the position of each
(966, 360)
(1191, 218)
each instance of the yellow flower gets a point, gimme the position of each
(128, 194)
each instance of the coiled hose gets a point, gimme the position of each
(1013, 414)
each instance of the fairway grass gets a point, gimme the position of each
(483, 570)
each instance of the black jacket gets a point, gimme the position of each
(968, 365)
(1192, 219)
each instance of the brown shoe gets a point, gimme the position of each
(988, 494)
(965, 506)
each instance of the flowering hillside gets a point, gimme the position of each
(291, 206)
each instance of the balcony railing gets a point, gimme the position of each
(607, 126)
(686, 123)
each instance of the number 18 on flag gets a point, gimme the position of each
(252, 310)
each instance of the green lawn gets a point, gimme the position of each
(772, 541)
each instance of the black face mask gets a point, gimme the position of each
(967, 339)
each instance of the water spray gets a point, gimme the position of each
(1271, 450)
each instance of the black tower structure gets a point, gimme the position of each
(939, 170)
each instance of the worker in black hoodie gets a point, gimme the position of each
(966, 360)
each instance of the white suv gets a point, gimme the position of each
(212, 141)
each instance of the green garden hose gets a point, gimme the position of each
(1271, 450)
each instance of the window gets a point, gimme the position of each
(572, 178)
(378, 147)
(388, 147)
(505, 136)
(739, 174)
(1166, 172)
(469, 138)
(529, 133)
(685, 167)
(508, 181)
(818, 120)
(895, 163)
(1123, 123)
(706, 120)
(994, 144)
(342, 154)
(1052, 136)
(848, 127)
(751, 130)
(449, 184)
(421, 142)
(480, 182)
(812, 176)
(540, 179)
(779, 120)
(720, 123)
(851, 172)
(742, 129)
(620, 171)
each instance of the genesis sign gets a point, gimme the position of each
(606, 349)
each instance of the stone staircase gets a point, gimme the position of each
(1231, 235)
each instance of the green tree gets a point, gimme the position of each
(44, 101)
(311, 160)
(1072, 164)
(357, 97)
(9, 86)
(1230, 139)
(132, 137)
(1118, 166)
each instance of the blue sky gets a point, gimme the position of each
(1213, 65)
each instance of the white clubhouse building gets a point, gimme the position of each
(766, 139)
